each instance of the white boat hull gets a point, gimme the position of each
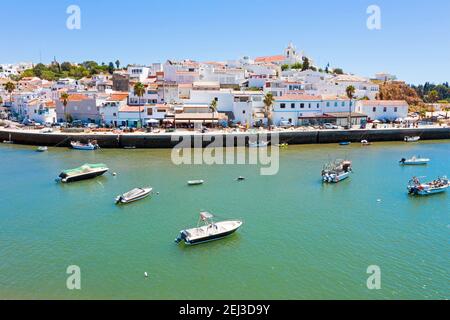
(124, 199)
(335, 178)
(209, 232)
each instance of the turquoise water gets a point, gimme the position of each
(301, 239)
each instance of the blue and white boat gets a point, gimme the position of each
(90, 146)
(414, 161)
(336, 171)
(415, 187)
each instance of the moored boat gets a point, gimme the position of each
(365, 143)
(42, 149)
(210, 230)
(344, 143)
(412, 138)
(86, 171)
(91, 145)
(195, 182)
(414, 161)
(336, 171)
(415, 187)
(133, 195)
(260, 144)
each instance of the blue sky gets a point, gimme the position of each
(413, 43)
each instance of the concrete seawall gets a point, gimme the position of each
(165, 140)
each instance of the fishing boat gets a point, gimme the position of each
(344, 143)
(412, 138)
(365, 143)
(195, 182)
(414, 161)
(261, 144)
(334, 172)
(415, 187)
(133, 195)
(91, 145)
(209, 231)
(42, 149)
(86, 171)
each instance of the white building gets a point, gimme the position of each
(41, 111)
(138, 73)
(383, 109)
(109, 111)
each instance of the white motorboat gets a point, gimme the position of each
(260, 144)
(412, 138)
(133, 195)
(42, 149)
(77, 145)
(415, 187)
(365, 143)
(336, 171)
(195, 182)
(414, 161)
(86, 171)
(210, 230)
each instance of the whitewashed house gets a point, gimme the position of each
(383, 109)
(138, 73)
(109, 111)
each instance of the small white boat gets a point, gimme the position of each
(42, 149)
(412, 138)
(210, 230)
(195, 182)
(336, 171)
(261, 144)
(414, 161)
(415, 187)
(365, 143)
(77, 145)
(133, 195)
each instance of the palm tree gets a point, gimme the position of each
(268, 103)
(139, 90)
(118, 64)
(350, 94)
(10, 87)
(65, 98)
(213, 108)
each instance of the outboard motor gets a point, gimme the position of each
(403, 160)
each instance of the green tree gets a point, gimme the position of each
(305, 65)
(350, 94)
(10, 87)
(297, 66)
(66, 66)
(433, 96)
(284, 67)
(268, 103)
(111, 68)
(213, 108)
(118, 64)
(65, 98)
(338, 71)
(139, 91)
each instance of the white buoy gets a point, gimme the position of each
(114, 174)
(146, 274)
(378, 200)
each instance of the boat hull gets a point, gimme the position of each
(85, 176)
(122, 200)
(336, 178)
(210, 238)
(426, 192)
(190, 238)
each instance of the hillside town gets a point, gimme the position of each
(285, 91)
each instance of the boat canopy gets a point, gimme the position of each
(83, 168)
(206, 215)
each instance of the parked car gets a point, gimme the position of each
(285, 124)
(47, 130)
(330, 126)
(92, 126)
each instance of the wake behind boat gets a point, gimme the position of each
(334, 172)
(133, 195)
(415, 187)
(86, 171)
(414, 161)
(210, 231)
(91, 145)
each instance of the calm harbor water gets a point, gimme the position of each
(301, 239)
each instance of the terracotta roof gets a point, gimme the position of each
(77, 97)
(374, 103)
(118, 96)
(298, 97)
(278, 58)
(129, 108)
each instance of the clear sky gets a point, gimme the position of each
(413, 43)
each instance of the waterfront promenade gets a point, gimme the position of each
(166, 139)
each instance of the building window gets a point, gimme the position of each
(293, 105)
(395, 109)
(328, 104)
(302, 105)
(114, 114)
(335, 104)
(150, 111)
(309, 106)
(282, 105)
(374, 109)
(318, 106)
(243, 111)
(343, 104)
(384, 109)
